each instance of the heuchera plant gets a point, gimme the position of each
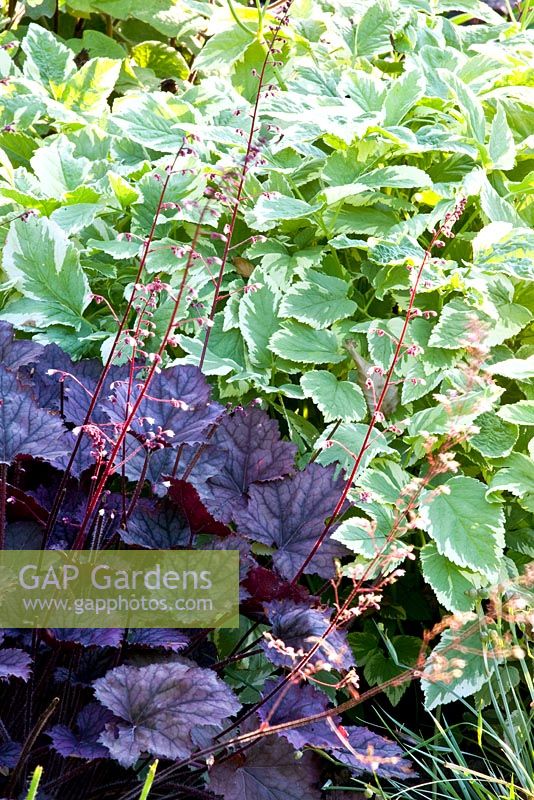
(280, 305)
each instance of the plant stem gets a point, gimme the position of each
(375, 414)
(34, 785)
(30, 741)
(149, 780)
(239, 193)
(63, 485)
(3, 497)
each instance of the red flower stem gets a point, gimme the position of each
(80, 538)
(239, 191)
(374, 415)
(58, 500)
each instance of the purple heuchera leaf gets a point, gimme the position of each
(372, 753)
(269, 770)
(89, 637)
(290, 515)
(253, 451)
(84, 741)
(73, 510)
(91, 664)
(14, 664)
(84, 458)
(15, 354)
(24, 535)
(356, 747)
(26, 429)
(161, 463)
(158, 706)
(166, 638)
(293, 702)
(300, 628)
(10, 754)
(156, 526)
(56, 375)
(177, 400)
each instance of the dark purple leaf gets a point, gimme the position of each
(356, 747)
(89, 637)
(294, 702)
(263, 585)
(368, 752)
(269, 770)
(156, 526)
(300, 628)
(290, 515)
(26, 429)
(84, 458)
(14, 664)
(15, 354)
(83, 742)
(10, 754)
(253, 451)
(90, 665)
(70, 385)
(177, 402)
(24, 535)
(159, 705)
(166, 638)
(73, 510)
(187, 499)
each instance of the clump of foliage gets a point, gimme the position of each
(267, 286)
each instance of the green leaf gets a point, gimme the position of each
(274, 208)
(368, 538)
(258, 321)
(450, 583)
(335, 399)
(496, 207)
(456, 324)
(88, 89)
(500, 248)
(58, 169)
(297, 342)
(516, 477)
(466, 528)
(165, 61)
(225, 352)
(152, 119)
(347, 440)
(459, 666)
(380, 667)
(520, 413)
(520, 369)
(401, 177)
(45, 269)
(501, 144)
(374, 29)
(405, 92)
(468, 103)
(123, 191)
(318, 301)
(74, 218)
(47, 60)
(454, 414)
(496, 437)
(386, 482)
(223, 49)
